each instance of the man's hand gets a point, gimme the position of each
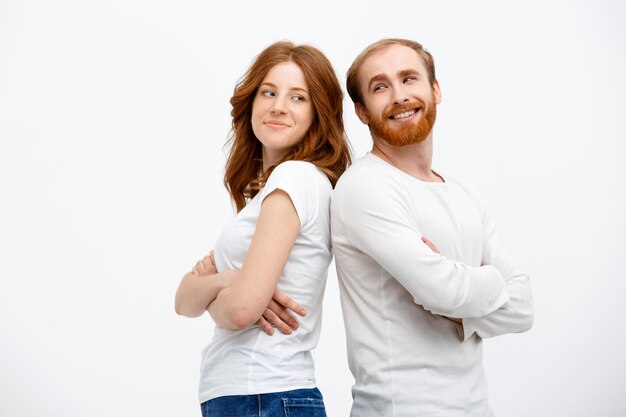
(277, 314)
(430, 244)
(205, 266)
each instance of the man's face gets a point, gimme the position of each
(400, 104)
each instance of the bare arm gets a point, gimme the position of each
(199, 288)
(242, 304)
(276, 314)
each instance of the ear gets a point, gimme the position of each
(361, 113)
(437, 92)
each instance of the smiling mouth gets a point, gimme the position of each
(403, 115)
(276, 123)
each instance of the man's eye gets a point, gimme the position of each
(380, 87)
(409, 79)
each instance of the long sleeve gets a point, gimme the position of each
(379, 220)
(516, 315)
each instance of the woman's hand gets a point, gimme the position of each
(199, 288)
(277, 314)
(242, 304)
(205, 266)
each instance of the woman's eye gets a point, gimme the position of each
(268, 93)
(298, 98)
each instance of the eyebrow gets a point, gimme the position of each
(291, 89)
(383, 77)
(375, 79)
(406, 72)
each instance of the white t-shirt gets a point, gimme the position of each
(248, 361)
(406, 358)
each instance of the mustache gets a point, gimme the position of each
(417, 104)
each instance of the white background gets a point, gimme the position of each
(113, 116)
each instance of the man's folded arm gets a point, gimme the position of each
(379, 222)
(517, 314)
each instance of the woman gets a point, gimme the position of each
(288, 150)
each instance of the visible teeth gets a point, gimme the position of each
(404, 114)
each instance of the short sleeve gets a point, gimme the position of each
(302, 182)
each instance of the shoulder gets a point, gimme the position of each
(307, 186)
(301, 172)
(465, 187)
(367, 174)
(370, 188)
(472, 192)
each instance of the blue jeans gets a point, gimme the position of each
(296, 403)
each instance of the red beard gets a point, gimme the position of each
(409, 133)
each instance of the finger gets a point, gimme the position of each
(265, 326)
(430, 245)
(206, 266)
(201, 268)
(212, 256)
(271, 317)
(287, 302)
(283, 314)
(194, 270)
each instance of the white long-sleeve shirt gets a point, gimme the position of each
(407, 359)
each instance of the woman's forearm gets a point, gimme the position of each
(196, 292)
(229, 310)
(241, 305)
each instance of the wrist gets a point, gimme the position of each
(227, 278)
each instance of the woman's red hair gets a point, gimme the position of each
(324, 145)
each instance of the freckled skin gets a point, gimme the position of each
(282, 111)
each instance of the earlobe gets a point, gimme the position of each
(437, 92)
(361, 113)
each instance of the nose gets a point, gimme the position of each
(400, 96)
(400, 99)
(279, 105)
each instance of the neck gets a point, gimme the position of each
(269, 158)
(415, 159)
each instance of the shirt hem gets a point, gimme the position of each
(241, 390)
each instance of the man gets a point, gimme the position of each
(422, 276)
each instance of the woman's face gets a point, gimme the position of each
(282, 111)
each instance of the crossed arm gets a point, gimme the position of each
(517, 314)
(489, 300)
(379, 221)
(236, 299)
